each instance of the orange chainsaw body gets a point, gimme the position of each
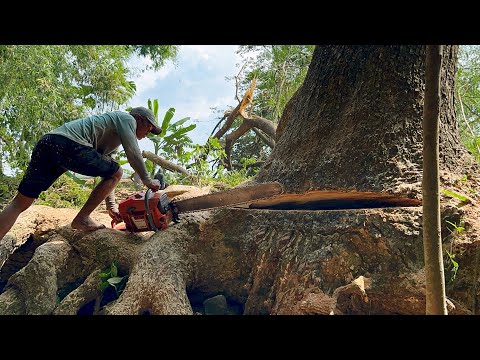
(135, 213)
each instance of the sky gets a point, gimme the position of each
(193, 86)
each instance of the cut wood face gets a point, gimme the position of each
(331, 199)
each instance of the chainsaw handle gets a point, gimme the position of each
(149, 214)
(116, 218)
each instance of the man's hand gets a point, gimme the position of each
(159, 176)
(153, 184)
(115, 215)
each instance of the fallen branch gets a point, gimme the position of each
(266, 139)
(230, 140)
(165, 163)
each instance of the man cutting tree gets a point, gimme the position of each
(85, 146)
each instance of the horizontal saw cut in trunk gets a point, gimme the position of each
(152, 212)
(356, 123)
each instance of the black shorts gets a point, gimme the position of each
(55, 154)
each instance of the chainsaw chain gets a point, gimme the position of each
(225, 206)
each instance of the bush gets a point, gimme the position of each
(8, 189)
(64, 193)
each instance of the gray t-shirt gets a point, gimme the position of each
(105, 133)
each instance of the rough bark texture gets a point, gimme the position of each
(362, 261)
(356, 122)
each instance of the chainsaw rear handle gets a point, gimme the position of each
(149, 213)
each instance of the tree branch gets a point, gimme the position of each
(230, 140)
(267, 140)
(165, 163)
(267, 126)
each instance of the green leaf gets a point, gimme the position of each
(113, 270)
(458, 196)
(89, 102)
(166, 120)
(180, 122)
(149, 165)
(75, 178)
(104, 275)
(155, 108)
(155, 138)
(179, 133)
(104, 285)
(115, 280)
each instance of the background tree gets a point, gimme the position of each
(468, 96)
(432, 238)
(360, 109)
(279, 70)
(46, 85)
(354, 125)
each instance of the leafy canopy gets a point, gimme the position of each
(44, 86)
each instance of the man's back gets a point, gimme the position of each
(104, 132)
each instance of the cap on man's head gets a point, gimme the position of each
(147, 114)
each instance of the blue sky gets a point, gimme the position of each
(193, 86)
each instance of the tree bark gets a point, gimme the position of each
(355, 123)
(432, 238)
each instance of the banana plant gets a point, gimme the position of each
(173, 140)
(171, 143)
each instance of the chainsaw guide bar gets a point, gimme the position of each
(150, 212)
(236, 196)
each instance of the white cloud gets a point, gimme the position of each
(195, 85)
(192, 87)
(149, 78)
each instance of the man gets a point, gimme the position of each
(85, 146)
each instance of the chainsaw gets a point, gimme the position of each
(147, 211)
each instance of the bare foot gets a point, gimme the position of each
(86, 224)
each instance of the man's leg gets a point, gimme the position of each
(83, 221)
(39, 176)
(10, 214)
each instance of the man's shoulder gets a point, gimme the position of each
(120, 116)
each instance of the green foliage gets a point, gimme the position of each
(201, 166)
(43, 86)
(172, 143)
(457, 228)
(468, 90)
(110, 277)
(451, 265)
(463, 199)
(158, 54)
(279, 70)
(250, 146)
(64, 193)
(8, 189)
(233, 178)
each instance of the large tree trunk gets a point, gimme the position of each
(355, 123)
(354, 127)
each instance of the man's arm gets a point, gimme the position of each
(126, 130)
